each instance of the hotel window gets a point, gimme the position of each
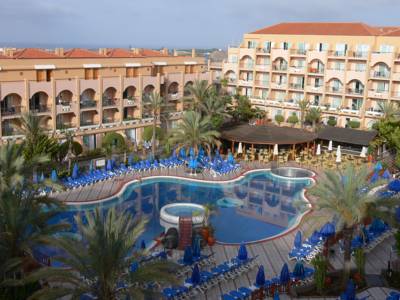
(267, 46)
(360, 67)
(336, 102)
(356, 104)
(318, 82)
(44, 75)
(131, 72)
(316, 100)
(386, 49)
(189, 69)
(382, 87)
(285, 45)
(91, 73)
(232, 59)
(302, 47)
(341, 49)
(321, 47)
(361, 50)
(264, 94)
(339, 66)
(251, 44)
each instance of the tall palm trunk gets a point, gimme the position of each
(347, 237)
(153, 138)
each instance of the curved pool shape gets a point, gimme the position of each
(266, 205)
(291, 172)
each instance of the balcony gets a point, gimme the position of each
(396, 95)
(358, 54)
(110, 122)
(130, 101)
(314, 88)
(380, 74)
(279, 85)
(232, 81)
(297, 69)
(262, 83)
(108, 102)
(263, 51)
(296, 86)
(88, 104)
(296, 52)
(290, 103)
(341, 54)
(373, 112)
(280, 67)
(245, 82)
(275, 102)
(334, 90)
(349, 111)
(353, 91)
(13, 111)
(64, 125)
(381, 94)
(318, 71)
(9, 131)
(173, 96)
(247, 66)
(261, 67)
(39, 109)
(88, 123)
(66, 107)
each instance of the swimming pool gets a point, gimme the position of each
(257, 206)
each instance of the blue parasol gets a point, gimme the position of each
(188, 256)
(276, 295)
(91, 168)
(230, 158)
(143, 245)
(242, 252)
(297, 240)
(201, 151)
(375, 177)
(54, 176)
(191, 151)
(75, 171)
(378, 166)
(260, 277)
(315, 237)
(377, 226)
(195, 278)
(328, 230)
(134, 267)
(350, 292)
(41, 178)
(386, 175)
(284, 277)
(298, 270)
(182, 153)
(196, 247)
(394, 185)
(109, 165)
(34, 177)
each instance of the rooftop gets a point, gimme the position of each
(347, 135)
(329, 28)
(81, 53)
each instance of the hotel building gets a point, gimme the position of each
(345, 69)
(92, 92)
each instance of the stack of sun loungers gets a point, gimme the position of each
(393, 295)
(225, 271)
(202, 261)
(309, 249)
(270, 285)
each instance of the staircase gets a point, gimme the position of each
(185, 232)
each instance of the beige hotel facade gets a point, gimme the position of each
(92, 92)
(345, 69)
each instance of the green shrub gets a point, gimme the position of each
(293, 119)
(113, 141)
(320, 266)
(148, 133)
(354, 124)
(359, 257)
(279, 119)
(332, 121)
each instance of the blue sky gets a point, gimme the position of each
(170, 23)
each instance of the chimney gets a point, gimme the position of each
(193, 52)
(103, 51)
(136, 51)
(59, 51)
(175, 52)
(164, 51)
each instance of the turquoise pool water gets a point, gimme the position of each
(258, 206)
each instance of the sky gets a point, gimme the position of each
(170, 23)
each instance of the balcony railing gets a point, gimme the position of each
(316, 70)
(359, 54)
(380, 74)
(263, 50)
(296, 86)
(88, 103)
(262, 83)
(353, 91)
(334, 89)
(246, 65)
(87, 123)
(298, 51)
(64, 125)
(337, 53)
(231, 80)
(109, 120)
(173, 96)
(10, 111)
(40, 108)
(395, 94)
(109, 102)
(280, 67)
(8, 131)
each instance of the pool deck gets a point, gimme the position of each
(272, 253)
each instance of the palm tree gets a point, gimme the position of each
(390, 110)
(194, 131)
(99, 262)
(215, 107)
(340, 194)
(313, 116)
(304, 104)
(154, 103)
(200, 91)
(25, 225)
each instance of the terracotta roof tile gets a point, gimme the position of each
(81, 53)
(349, 29)
(121, 53)
(34, 53)
(393, 33)
(150, 52)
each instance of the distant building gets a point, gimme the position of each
(345, 69)
(92, 92)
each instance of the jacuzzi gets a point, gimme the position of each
(290, 172)
(170, 213)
